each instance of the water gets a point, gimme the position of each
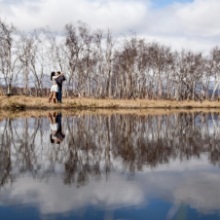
(118, 166)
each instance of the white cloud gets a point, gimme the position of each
(55, 197)
(117, 15)
(201, 18)
(190, 25)
(193, 25)
(201, 193)
(191, 182)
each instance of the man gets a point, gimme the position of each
(59, 82)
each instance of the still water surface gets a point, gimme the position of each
(110, 167)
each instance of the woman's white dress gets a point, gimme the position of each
(54, 87)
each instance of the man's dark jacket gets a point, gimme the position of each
(60, 80)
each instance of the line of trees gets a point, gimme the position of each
(98, 65)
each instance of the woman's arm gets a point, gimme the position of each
(55, 77)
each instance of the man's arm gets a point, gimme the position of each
(64, 78)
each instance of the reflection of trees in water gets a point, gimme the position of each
(94, 142)
(151, 140)
(18, 146)
(5, 162)
(88, 146)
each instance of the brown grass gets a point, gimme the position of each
(36, 103)
(21, 106)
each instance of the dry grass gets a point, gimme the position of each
(21, 106)
(36, 103)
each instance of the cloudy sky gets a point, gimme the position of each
(197, 186)
(189, 24)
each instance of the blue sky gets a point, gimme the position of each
(188, 24)
(164, 3)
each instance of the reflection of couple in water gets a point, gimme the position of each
(56, 136)
(57, 79)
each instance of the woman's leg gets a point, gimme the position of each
(54, 97)
(50, 96)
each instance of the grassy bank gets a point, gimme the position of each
(36, 103)
(21, 106)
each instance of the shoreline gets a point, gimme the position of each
(104, 112)
(39, 103)
(21, 106)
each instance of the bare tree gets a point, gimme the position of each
(214, 69)
(124, 68)
(78, 43)
(108, 61)
(187, 74)
(8, 57)
(40, 62)
(25, 45)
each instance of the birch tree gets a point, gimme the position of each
(8, 57)
(214, 68)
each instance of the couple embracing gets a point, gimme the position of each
(57, 79)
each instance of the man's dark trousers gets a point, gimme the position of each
(59, 94)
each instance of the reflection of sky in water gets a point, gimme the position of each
(184, 189)
(198, 189)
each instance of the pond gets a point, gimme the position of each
(110, 166)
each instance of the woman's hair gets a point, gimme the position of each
(51, 75)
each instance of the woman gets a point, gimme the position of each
(54, 87)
